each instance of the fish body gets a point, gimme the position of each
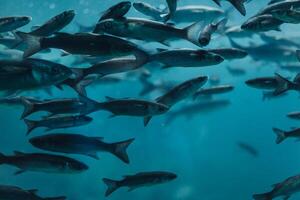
(13, 23)
(31, 74)
(287, 16)
(81, 43)
(213, 90)
(8, 192)
(147, 30)
(208, 30)
(148, 10)
(39, 162)
(59, 122)
(284, 189)
(80, 144)
(262, 23)
(139, 180)
(55, 24)
(186, 58)
(230, 53)
(294, 115)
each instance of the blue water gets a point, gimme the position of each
(201, 150)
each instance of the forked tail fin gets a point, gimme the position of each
(111, 186)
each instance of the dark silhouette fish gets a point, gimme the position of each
(238, 4)
(179, 93)
(54, 24)
(39, 162)
(284, 189)
(52, 123)
(8, 192)
(116, 11)
(282, 135)
(12, 23)
(209, 92)
(248, 148)
(82, 43)
(31, 74)
(139, 180)
(80, 144)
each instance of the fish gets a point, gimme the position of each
(282, 5)
(147, 30)
(192, 13)
(172, 7)
(30, 74)
(184, 14)
(59, 122)
(248, 148)
(148, 10)
(8, 192)
(282, 135)
(141, 179)
(197, 109)
(269, 52)
(126, 107)
(55, 24)
(268, 83)
(220, 89)
(284, 189)
(262, 23)
(208, 30)
(294, 115)
(116, 11)
(186, 58)
(53, 106)
(229, 53)
(286, 85)
(287, 16)
(238, 4)
(80, 144)
(40, 162)
(82, 43)
(236, 71)
(179, 93)
(12, 23)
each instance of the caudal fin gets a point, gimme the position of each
(239, 5)
(28, 107)
(147, 120)
(265, 196)
(32, 42)
(192, 32)
(111, 186)
(283, 84)
(56, 198)
(120, 150)
(280, 135)
(31, 125)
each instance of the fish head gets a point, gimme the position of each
(68, 15)
(204, 41)
(123, 7)
(167, 176)
(253, 24)
(84, 119)
(157, 109)
(51, 74)
(112, 26)
(209, 57)
(200, 81)
(75, 166)
(23, 20)
(43, 142)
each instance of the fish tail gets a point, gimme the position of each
(192, 32)
(29, 107)
(31, 125)
(280, 135)
(265, 196)
(33, 43)
(90, 105)
(119, 149)
(239, 5)
(111, 186)
(147, 120)
(2, 158)
(56, 198)
(283, 85)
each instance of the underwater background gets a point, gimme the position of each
(201, 147)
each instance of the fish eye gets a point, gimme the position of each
(108, 25)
